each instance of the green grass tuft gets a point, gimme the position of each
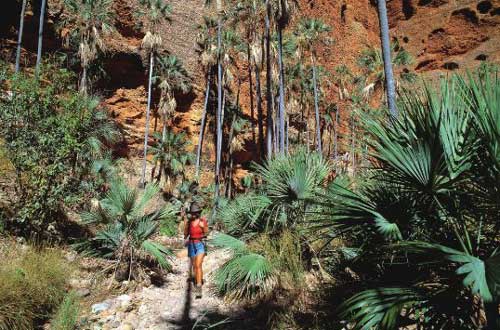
(32, 285)
(66, 317)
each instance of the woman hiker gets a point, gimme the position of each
(195, 230)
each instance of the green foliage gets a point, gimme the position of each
(127, 225)
(288, 185)
(431, 204)
(51, 135)
(66, 317)
(32, 285)
(270, 255)
(170, 152)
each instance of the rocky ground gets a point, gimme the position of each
(170, 306)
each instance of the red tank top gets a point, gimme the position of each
(195, 231)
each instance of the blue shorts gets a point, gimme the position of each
(195, 248)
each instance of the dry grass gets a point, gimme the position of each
(32, 284)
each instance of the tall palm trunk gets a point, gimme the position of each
(336, 134)
(219, 111)
(269, 97)
(40, 36)
(281, 103)
(203, 122)
(148, 110)
(386, 53)
(83, 81)
(20, 36)
(260, 115)
(319, 147)
(250, 92)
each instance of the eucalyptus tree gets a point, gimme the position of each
(20, 35)
(207, 42)
(88, 21)
(156, 12)
(310, 32)
(386, 51)
(43, 6)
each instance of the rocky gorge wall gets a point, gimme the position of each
(441, 35)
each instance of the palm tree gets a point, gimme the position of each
(156, 12)
(310, 32)
(171, 152)
(282, 13)
(207, 42)
(269, 94)
(371, 61)
(127, 232)
(40, 36)
(89, 20)
(220, 104)
(20, 36)
(386, 51)
(173, 78)
(250, 15)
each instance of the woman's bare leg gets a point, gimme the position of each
(198, 268)
(191, 269)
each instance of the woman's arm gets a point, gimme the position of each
(186, 228)
(204, 226)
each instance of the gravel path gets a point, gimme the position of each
(171, 306)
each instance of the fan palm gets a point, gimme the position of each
(173, 78)
(433, 200)
(208, 46)
(156, 12)
(170, 152)
(129, 225)
(310, 32)
(89, 20)
(371, 61)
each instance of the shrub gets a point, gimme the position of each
(51, 135)
(66, 317)
(32, 285)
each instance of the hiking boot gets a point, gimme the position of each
(198, 291)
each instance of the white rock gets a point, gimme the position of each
(97, 308)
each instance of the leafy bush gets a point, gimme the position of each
(52, 134)
(66, 317)
(127, 226)
(32, 285)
